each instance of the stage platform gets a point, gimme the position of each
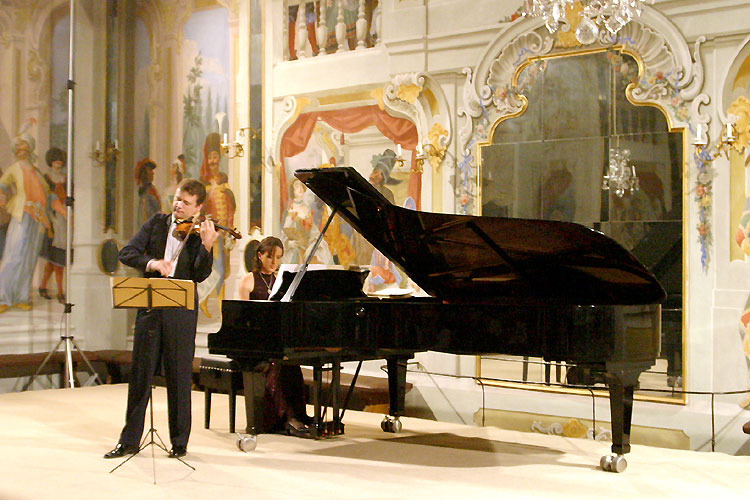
(52, 442)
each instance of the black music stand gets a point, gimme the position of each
(151, 293)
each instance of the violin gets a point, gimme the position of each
(192, 225)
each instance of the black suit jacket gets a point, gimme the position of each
(194, 262)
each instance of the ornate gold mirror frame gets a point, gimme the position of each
(619, 216)
(669, 77)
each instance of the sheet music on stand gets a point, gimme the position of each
(150, 293)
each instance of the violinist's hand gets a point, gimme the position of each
(208, 234)
(163, 266)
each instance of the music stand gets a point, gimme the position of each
(152, 293)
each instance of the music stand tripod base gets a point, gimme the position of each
(151, 441)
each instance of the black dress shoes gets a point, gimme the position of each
(178, 451)
(121, 450)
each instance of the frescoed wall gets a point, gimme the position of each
(33, 180)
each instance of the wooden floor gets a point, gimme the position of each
(51, 446)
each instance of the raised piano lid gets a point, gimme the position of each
(460, 258)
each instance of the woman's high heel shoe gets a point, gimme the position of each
(43, 293)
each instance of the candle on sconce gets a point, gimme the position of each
(97, 146)
(398, 150)
(419, 149)
(225, 138)
(730, 131)
(700, 139)
(116, 144)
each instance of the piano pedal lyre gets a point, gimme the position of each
(391, 424)
(247, 442)
(613, 463)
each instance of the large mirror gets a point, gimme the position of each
(550, 162)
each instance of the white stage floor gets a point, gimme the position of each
(52, 442)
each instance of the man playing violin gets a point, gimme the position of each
(166, 335)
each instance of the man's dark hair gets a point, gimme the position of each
(194, 187)
(55, 154)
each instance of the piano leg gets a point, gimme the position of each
(315, 400)
(254, 380)
(334, 390)
(621, 410)
(396, 393)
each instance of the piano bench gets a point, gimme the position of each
(223, 376)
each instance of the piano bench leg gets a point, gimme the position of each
(232, 409)
(207, 405)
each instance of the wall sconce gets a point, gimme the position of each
(109, 154)
(726, 140)
(236, 149)
(424, 152)
(399, 159)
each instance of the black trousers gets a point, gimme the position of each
(163, 338)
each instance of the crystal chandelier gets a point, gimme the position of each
(620, 175)
(612, 14)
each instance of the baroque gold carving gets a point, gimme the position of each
(740, 108)
(408, 92)
(437, 136)
(573, 428)
(567, 39)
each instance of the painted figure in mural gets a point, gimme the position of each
(23, 194)
(148, 197)
(382, 165)
(380, 177)
(383, 273)
(53, 248)
(220, 205)
(176, 173)
(299, 231)
(166, 337)
(4, 221)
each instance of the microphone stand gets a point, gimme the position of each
(67, 337)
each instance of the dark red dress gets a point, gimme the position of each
(284, 396)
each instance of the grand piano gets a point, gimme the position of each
(555, 290)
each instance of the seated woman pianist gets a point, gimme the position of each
(284, 397)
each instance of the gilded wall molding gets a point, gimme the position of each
(419, 98)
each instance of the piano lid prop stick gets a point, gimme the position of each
(301, 272)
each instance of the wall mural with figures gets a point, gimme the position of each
(394, 136)
(33, 183)
(33, 141)
(206, 58)
(738, 112)
(204, 77)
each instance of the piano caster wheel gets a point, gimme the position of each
(247, 443)
(613, 463)
(390, 424)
